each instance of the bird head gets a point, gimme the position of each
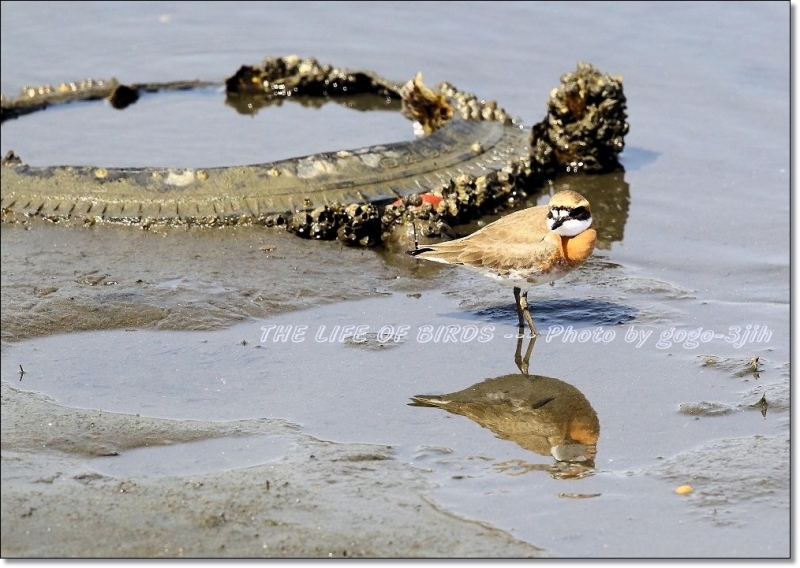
(569, 213)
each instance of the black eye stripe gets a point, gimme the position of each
(579, 213)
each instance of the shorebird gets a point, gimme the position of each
(524, 249)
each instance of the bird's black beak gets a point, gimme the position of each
(557, 222)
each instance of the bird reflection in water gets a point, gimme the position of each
(544, 415)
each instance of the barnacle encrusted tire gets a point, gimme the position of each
(474, 161)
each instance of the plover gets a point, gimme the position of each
(524, 249)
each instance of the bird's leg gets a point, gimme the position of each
(522, 362)
(519, 311)
(522, 303)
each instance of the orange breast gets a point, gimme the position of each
(577, 249)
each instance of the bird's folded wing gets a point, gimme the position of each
(496, 255)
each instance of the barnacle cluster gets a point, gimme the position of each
(33, 98)
(356, 223)
(427, 109)
(463, 199)
(470, 107)
(279, 77)
(585, 126)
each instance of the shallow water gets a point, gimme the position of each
(294, 366)
(694, 244)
